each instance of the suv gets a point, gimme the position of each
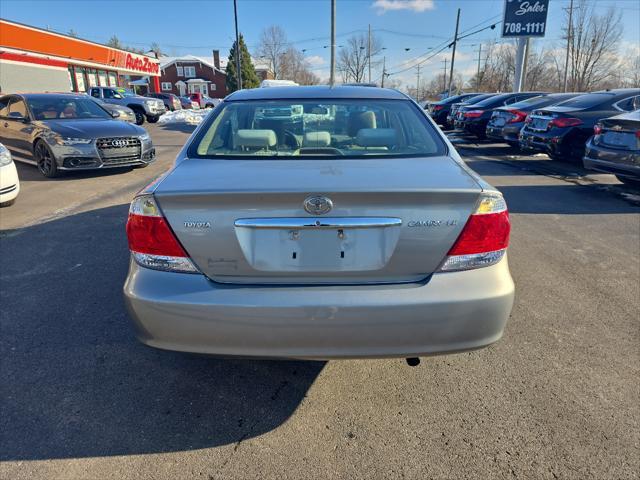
(151, 108)
(204, 101)
(171, 101)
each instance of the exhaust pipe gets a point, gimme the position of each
(413, 361)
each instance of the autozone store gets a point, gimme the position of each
(37, 60)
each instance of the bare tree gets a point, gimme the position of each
(272, 46)
(293, 66)
(593, 46)
(354, 56)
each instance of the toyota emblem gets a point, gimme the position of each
(317, 205)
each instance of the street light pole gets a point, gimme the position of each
(238, 70)
(332, 75)
(369, 52)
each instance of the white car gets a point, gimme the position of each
(9, 183)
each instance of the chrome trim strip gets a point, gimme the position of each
(319, 222)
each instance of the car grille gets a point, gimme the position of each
(118, 150)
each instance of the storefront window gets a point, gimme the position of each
(72, 81)
(80, 85)
(92, 78)
(102, 77)
(113, 79)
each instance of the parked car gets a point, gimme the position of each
(203, 100)
(9, 182)
(615, 147)
(189, 104)
(562, 130)
(453, 118)
(440, 110)
(70, 132)
(475, 120)
(506, 122)
(143, 107)
(119, 112)
(171, 101)
(249, 247)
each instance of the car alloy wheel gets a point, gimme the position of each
(45, 160)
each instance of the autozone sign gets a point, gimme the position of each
(141, 64)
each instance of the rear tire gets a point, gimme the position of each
(139, 116)
(45, 160)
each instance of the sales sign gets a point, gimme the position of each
(524, 18)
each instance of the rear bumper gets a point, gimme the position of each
(452, 312)
(495, 133)
(631, 171)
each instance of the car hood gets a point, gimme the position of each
(112, 107)
(91, 128)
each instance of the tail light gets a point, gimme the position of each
(437, 107)
(484, 238)
(151, 240)
(565, 122)
(638, 134)
(473, 113)
(597, 129)
(518, 116)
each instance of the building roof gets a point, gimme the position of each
(317, 92)
(166, 61)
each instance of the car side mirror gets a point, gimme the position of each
(115, 114)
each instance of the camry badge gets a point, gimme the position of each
(317, 205)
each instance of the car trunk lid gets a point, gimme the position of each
(243, 221)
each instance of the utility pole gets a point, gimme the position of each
(238, 70)
(566, 58)
(453, 54)
(384, 69)
(444, 86)
(369, 52)
(478, 74)
(332, 75)
(418, 84)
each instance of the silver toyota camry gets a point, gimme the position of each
(319, 222)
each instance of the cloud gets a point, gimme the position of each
(315, 60)
(383, 6)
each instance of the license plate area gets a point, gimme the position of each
(309, 245)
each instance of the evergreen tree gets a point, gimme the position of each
(249, 76)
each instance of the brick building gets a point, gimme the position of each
(191, 74)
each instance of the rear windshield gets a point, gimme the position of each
(477, 99)
(587, 100)
(325, 128)
(490, 101)
(530, 102)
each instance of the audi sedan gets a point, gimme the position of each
(356, 232)
(59, 132)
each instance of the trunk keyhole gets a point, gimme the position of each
(342, 254)
(294, 255)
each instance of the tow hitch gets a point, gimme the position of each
(413, 361)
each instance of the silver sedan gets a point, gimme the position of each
(317, 222)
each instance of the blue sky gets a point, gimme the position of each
(197, 27)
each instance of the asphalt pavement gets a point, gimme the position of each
(557, 397)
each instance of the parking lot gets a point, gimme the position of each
(557, 397)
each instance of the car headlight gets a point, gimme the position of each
(5, 156)
(73, 141)
(150, 103)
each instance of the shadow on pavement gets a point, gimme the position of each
(179, 127)
(75, 381)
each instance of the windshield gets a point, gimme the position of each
(65, 108)
(329, 128)
(585, 101)
(125, 93)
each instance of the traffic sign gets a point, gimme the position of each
(524, 18)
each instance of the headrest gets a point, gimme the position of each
(316, 139)
(360, 120)
(376, 137)
(255, 138)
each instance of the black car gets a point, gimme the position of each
(476, 118)
(506, 122)
(561, 131)
(615, 147)
(171, 101)
(439, 110)
(453, 116)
